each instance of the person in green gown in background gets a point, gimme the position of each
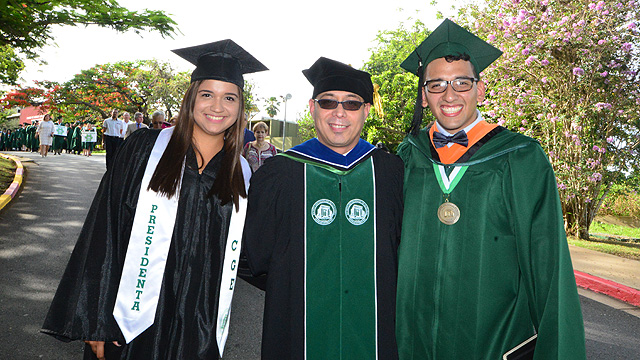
(483, 263)
(69, 139)
(33, 142)
(76, 139)
(58, 139)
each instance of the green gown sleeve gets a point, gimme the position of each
(543, 256)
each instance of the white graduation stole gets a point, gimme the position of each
(146, 257)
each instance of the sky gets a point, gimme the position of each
(286, 36)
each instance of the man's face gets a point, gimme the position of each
(126, 118)
(138, 119)
(114, 114)
(453, 110)
(338, 129)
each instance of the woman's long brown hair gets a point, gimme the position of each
(229, 182)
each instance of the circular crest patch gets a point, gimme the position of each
(323, 212)
(357, 212)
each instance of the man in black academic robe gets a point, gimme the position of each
(323, 224)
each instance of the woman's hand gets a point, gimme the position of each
(98, 348)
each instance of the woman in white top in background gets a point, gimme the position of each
(45, 132)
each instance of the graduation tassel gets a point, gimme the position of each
(417, 110)
(377, 101)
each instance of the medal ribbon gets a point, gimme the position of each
(448, 183)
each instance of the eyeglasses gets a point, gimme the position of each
(461, 84)
(329, 104)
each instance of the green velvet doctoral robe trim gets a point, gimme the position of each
(340, 262)
(479, 287)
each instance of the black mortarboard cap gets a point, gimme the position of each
(221, 60)
(327, 75)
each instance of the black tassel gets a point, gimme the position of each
(417, 110)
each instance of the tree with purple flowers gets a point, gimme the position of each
(569, 77)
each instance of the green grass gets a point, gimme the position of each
(7, 172)
(611, 229)
(607, 247)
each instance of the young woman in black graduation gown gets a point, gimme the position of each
(202, 164)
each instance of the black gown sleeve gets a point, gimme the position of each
(83, 305)
(269, 204)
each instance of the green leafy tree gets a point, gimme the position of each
(272, 106)
(569, 78)
(250, 106)
(306, 127)
(10, 65)
(164, 86)
(26, 25)
(397, 88)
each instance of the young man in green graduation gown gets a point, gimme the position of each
(323, 224)
(483, 263)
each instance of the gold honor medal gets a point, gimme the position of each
(448, 213)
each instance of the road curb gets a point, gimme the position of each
(608, 287)
(13, 189)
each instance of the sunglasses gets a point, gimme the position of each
(329, 104)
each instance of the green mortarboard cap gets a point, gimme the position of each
(451, 39)
(327, 75)
(221, 60)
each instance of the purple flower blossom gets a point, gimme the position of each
(606, 12)
(540, 43)
(631, 26)
(524, 122)
(592, 6)
(519, 101)
(540, 116)
(526, 52)
(578, 71)
(596, 148)
(599, 106)
(597, 176)
(599, 5)
(522, 129)
(581, 23)
(626, 46)
(491, 37)
(562, 186)
(544, 80)
(553, 106)
(529, 60)
(501, 122)
(604, 74)
(601, 42)
(610, 139)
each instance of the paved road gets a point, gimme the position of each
(38, 231)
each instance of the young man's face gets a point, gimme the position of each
(338, 129)
(453, 110)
